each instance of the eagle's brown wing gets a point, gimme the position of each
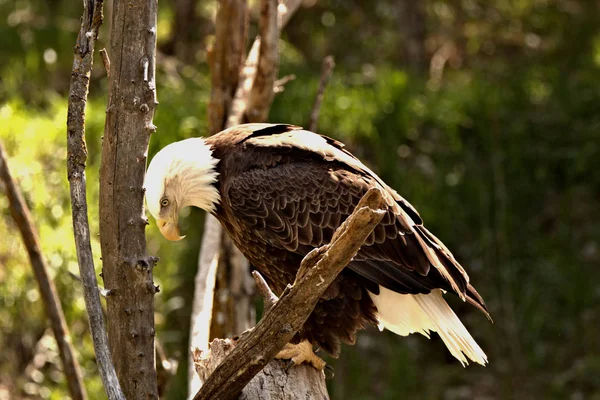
(298, 205)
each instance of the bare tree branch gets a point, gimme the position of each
(326, 70)
(76, 161)
(21, 215)
(277, 327)
(261, 95)
(225, 59)
(280, 83)
(127, 267)
(269, 297)
(248, 72)
(105, 61)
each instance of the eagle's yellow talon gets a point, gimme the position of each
(301, 353)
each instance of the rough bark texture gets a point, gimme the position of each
(261, 95)
(21, 215)
(274, 382)
(279, 324)
(77, 156)
(127, 268)
(239, 105)
(225, 59)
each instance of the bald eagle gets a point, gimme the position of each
(280, 191)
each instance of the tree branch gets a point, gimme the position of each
(262, 93)
(225, 59)
(277, 327)
(21, 215)
(202, 307)
(326, 71)
(240, 101)
(105, 61)
(76, 161)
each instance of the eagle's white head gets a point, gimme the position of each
(181, 174)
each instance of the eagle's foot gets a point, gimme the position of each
(301, 353)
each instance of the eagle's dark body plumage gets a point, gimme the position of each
(281, 197)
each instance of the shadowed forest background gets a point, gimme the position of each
(483, 114)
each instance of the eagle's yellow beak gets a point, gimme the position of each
(169, 230)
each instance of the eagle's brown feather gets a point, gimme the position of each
(282, 197)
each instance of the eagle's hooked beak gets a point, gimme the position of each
(169, 229)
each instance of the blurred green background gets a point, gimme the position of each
(485, 114)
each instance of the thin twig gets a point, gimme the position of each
(21, 215)
(76, 161)
(327, 69)
(279, 85)
(286, 317)
(105, 61)
(268, 296)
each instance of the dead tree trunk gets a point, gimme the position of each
(127, 268)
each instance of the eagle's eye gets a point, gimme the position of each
(164, 202)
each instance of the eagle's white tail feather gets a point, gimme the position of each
(404, 314)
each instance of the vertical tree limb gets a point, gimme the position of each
(204, 284)
(239, 105)
(225, 59)
(21, 215)
(76, 161)
(127, 268)
(261, 95)
(326, 70)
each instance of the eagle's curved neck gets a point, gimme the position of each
(197, 183)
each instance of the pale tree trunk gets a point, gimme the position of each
(127, 268)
